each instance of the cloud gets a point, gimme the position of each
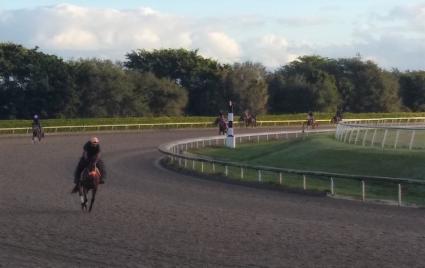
(217, 45)
(393, 39)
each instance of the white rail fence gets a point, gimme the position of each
(408, 133)
(54, 129)
(399, 191)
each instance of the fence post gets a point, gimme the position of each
(304, 182)
(364, 138)
(346, 134)
(411, 140)
(202, 167)
(363, 191)
(351, 134)
(373, 137)
(241, 172)
(193, 164)
(332, 186)
(357, 136)
(396, 138)
(399, 195)
(280, 177)
(385, 138)
(226, 170)
(259, 175)
(213, 167)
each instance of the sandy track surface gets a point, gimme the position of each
(146, 216)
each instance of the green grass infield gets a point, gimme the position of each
(323, 153)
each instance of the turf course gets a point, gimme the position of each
(324, 153)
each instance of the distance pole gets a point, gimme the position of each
(230, 140)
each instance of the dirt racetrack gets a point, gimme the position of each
(146, 216)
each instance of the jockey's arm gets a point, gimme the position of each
(101, 166)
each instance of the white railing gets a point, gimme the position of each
(390, 133)
(333, 183)
(54, 129)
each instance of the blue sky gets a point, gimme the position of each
(273, 32)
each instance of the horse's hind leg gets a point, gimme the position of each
(93, 195)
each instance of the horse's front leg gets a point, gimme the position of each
(83, 197)
(93, 195)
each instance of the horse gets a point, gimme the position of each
(310, 123)
(248, 120)
(38, 133)
(336, 118)
(90, 180)
(222, 126)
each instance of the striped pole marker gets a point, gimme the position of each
(230, 140)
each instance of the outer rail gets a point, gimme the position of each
(53, 129)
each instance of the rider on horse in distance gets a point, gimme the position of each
(36, 122)
(221, 123)
(310, 119)
(91, 153)
(37, 130)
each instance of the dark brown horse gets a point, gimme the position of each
(37, 133)
(222, 125)
(310, 123)
(248, 119)
(90, 180)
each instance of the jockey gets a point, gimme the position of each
(36, 122)
(310, 118)
(91, 152)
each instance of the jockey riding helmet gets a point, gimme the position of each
(94, 141)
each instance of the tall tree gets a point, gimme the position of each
(364, 86)
(33, 82)
(200, 76)
(412, 90)
(303, 85)
(102, 88)
(154, 96)
(246, 85)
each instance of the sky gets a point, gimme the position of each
(272, 32)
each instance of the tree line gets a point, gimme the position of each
(182, 82)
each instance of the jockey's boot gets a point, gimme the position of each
(75, 189)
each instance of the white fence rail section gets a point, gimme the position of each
(390, 133)
(54, 129)
(177, 153)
